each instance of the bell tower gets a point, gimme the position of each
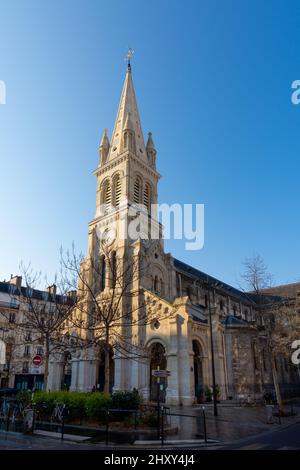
(126, 174)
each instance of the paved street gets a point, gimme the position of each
(287, 438)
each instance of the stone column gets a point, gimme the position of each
(86, 375)
(172, 392)
(134, 375)
(118, 361)
(55, 374)
(185, 364)
(84, 372)
(144, 385)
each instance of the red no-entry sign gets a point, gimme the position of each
(37, 360)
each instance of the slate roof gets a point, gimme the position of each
(232, 320)
(212, 281)
(11, 289)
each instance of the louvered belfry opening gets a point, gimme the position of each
(117, 188)
(147, 197)
(107, 196)
(137, 191)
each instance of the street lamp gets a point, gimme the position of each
(212, 358)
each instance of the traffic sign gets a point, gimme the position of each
(37, 360)
(161, 373)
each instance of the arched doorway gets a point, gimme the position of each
(67, 371)
(158, 360)
(101, 371)
(198, 372)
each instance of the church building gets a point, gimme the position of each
(200, 326)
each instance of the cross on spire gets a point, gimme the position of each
(129, 55)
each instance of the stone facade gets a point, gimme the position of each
(127, 171)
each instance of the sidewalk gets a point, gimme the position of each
(232, 422)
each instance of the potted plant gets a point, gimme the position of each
(218, 393)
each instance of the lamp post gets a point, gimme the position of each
(212, 358)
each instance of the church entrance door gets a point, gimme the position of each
(158, 360)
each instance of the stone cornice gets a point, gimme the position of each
(122, 158)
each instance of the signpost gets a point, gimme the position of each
(159, 374)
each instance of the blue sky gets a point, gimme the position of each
(213, 83)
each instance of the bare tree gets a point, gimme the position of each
(44, 316)
(277, 319)
(112, 306)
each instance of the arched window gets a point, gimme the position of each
(103, 272)
(155, 285)
(113, 267)
(198, 371)
(117, 191)
(147, 197)
(137, 190)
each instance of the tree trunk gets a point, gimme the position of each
(107, 364)
(46, 366)
(276, 384)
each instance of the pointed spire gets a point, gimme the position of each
(151, 150)
(104, 148)
(127, 105)
(150, 144)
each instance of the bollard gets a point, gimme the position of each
(7, 418)
(62, 427)
(162, 426)
(204, 424)
(34, 417)
(279, 416)
(107, 427)
(135, 419)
